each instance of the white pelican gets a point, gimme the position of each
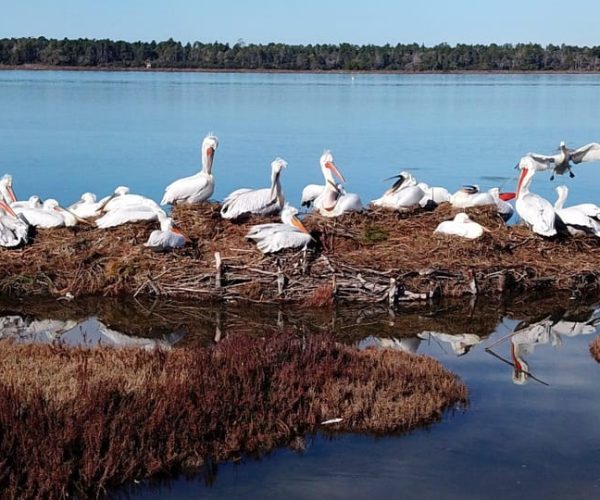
(505, 209)
(122, 197)
(290, 233)
(560, 162)
(590, 209)
(433, 196)
(471, 196)
(461, 226)
(536, 211)
(167, 237)
(6, 190)
(577, 222)
(33, 201)
(461, 343)
(13, 230)
(265, 201)
(87, 206)
(146, 210)
(198, 187)
(408, 345)
(405, 193)
(46, 215)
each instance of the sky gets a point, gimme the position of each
(308, 21)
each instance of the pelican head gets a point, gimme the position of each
(6, 190)
(403, 179)
(88, 197)
(51, 204)
(562, 145)
(329, 168)
(209, 146)
(121, 191)
(520, 368)
(34, 201)
(462, 218)
(287, 212)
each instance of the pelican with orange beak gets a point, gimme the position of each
(6, 189)
(290, 233)
(167, 237)
(198, 187)
(13, 230)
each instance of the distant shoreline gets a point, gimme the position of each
(110, 69)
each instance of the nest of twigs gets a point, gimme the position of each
(375, 256)
(78, 422)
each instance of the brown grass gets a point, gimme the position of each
(595, 349)
(79, 422)
(355, 257)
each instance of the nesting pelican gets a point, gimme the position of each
(167, 237)
(405, 193)
(146, 210)
(461, 226)
(290, 233)
(577, 222)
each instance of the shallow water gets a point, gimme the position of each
(523, 434)
(63, 133)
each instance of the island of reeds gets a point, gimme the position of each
(108, 54)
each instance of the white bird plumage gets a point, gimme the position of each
(561, 162)
(462, 226)
(265, 201)
(13, 230)
(167, 237)
(577, 222)
(198, 187)
(404, 194)
(146, 210)
(290, 233)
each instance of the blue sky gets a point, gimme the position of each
(309, 21)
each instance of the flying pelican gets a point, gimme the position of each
(590, 209)
(265, 201)
(13, 230)
(46, 215)
(577, 222)
(167, 237)
(461, 226)
(6, 190)
(290, 233)
(146, 210)
(405, 193)
(195, 188)
(87, 206)
(560, 163)
(536, 211)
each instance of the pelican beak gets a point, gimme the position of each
(77, 218)
(210, 153)
(507, 196)
(178, 231)
(521, 178)
(331, 166)
(297, 223)
(7, 208)
(485, 229)
(111, 197)
(11, 194)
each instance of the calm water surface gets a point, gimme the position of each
(63, 133)
(520, 436)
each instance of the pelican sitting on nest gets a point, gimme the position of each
(471, 196)
(47, 215)
(122, 197)
(461, 226)
(146, 210)
(404, 194)
(590, 209)
(433, 196)
(265, 201)
(13, 230)
(167, 237)
(577, 222)
(536, 211)
(290, 233)
(560, 163)
(198, 187)
(87, 207)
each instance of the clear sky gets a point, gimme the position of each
(309, 21)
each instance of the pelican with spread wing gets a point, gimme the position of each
(561, 162)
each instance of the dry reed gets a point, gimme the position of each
(595, 349)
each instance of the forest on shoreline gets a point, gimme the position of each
(170, 54)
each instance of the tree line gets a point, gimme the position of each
(278, 56)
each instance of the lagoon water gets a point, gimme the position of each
(63, 133)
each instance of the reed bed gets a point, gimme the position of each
(80, 422)
(372, 257)
(595, 349)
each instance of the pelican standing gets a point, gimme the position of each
(405, 193)
(198, 187)
(577, 222)
(461, 226)
(536, 211)
(167, 237)
(290, 233)
(561, 162)
(265, 201)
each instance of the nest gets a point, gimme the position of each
(79, 422)
(595, 349)
(375, 256)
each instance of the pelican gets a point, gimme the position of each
(13, 230)
(561, 162)
(87, 206)
(505, 209)
(33, 201)
(167, 237)
(523, 343)
(433, 196)
(460, 343)
(6, 190)
(290, 233)
(405, 193)
(195, 188)
(590, 209)
(471, 196)
(409, 345)
(122, 197)
(461, 226)
(265, 201)
(577, 222)
(46, 215)
(536, 211)
(147, 210)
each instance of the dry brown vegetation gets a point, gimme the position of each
(595, 349)
(79, 422)
(377, 256)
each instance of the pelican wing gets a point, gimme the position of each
(310, 193)
(536, 162)
(589, 152)
(193, 189)
(281, 240)
(538, 213)
(165, 240)
(261, 231)
(40, 217)
(125, 215)
(257, 201)
(452, 228)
